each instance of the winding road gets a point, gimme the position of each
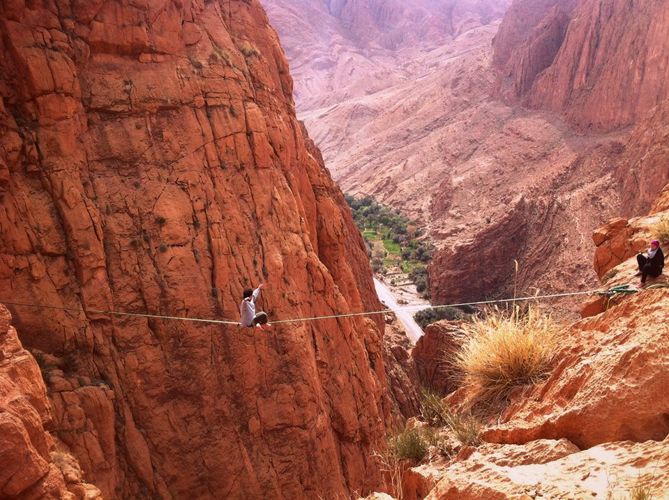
(413, 329)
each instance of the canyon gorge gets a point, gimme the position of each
(510, 138)
(158, 157)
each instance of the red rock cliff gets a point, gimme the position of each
(30, 464)
(150, 160)
(602, 63)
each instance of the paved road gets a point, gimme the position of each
(413, 329)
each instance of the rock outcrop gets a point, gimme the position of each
(431, 354)
(151, 161)
(608, 384)
(31, 464)
(621, 239)
(600, 472)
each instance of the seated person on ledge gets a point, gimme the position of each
(650, 262)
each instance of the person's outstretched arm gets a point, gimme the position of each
(256, 292)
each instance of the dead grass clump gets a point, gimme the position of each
(661, 230)
(466, 428)
(409, 444)
(248, 49)
(505, 350)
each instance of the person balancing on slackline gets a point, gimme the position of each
(247, 310)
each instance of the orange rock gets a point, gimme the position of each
(662, 202)
(610, 470)
(431, 355)
(566, 63)
(26, 448)
(608, 383)
(151, 161)
(620, 240)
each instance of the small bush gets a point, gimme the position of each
(432, 409)
(466, 428)
(661, 230)
(248, 49)
(428, 316)
(409, 444)
(506, 350)
(161, 220)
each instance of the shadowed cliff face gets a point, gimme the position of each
(150, 160)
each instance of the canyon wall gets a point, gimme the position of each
(339, 50)
(601, 63)
(603, 66)
(151, 161)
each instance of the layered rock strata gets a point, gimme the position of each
(151, 161)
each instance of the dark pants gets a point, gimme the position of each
(646, 268)
(260, 319)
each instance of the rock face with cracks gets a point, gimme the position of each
(30, 465)
(151, 161)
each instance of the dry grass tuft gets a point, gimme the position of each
(409, 444)
(660, 229)
(466, 428)
(248, 49)
(505, 350)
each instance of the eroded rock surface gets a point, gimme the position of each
(610, 470)
(151, 161)
(586, 49)
(30, 464)
(608, 383)
(432, 353)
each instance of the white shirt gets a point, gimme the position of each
(247, 309)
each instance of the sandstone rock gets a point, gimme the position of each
(417, 482)
(431, 355)
(527, 42)
(620, 240)
(662, 202)
(152, 162)
(401, 369)
(608, 383)
(475, 269)
(609, 470)
(28, 467)
(378, 496)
